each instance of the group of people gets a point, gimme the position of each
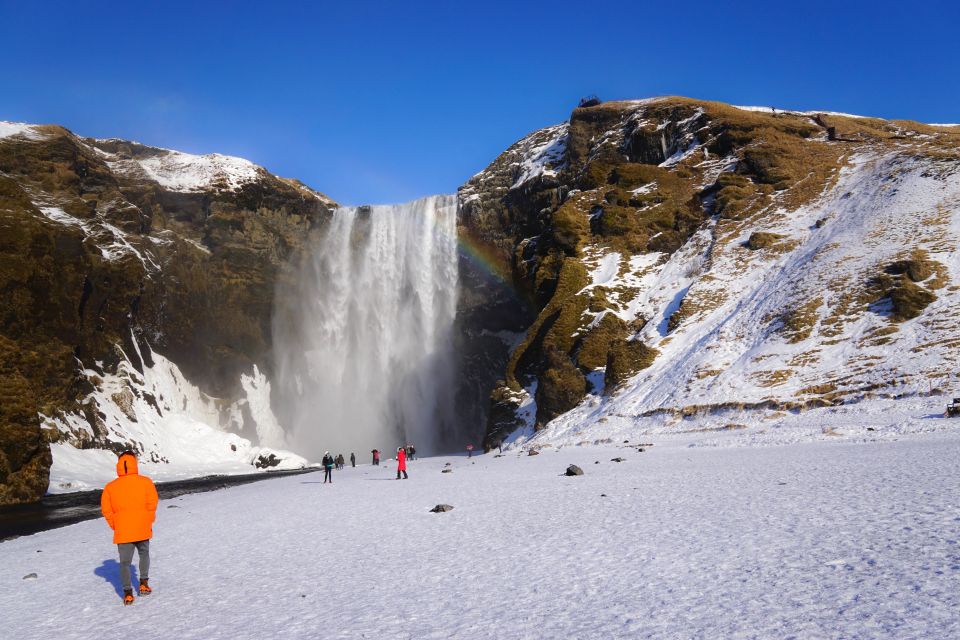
(410, 453)
(129, 505)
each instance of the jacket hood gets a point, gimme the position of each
(127, 465)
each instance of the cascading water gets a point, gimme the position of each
(365, 355)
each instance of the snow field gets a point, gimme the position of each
(814, 540)
(19, 129)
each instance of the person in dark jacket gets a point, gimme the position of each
(327, 468)
(412, 452)
(353, 460)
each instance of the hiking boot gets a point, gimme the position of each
(145, 589)
(127, 597)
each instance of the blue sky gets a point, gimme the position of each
(388, 101)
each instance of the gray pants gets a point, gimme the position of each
(126, 557)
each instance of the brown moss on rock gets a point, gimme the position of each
(595, 345)
(562, 387)
(566, 306)
(625, 359)
(571, 227)
(798, 323)
(899, 283)
(918, 267)
(763, 240)
(908, 298)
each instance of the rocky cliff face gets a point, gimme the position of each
(110, 251)
(647, 260)
(682, 256)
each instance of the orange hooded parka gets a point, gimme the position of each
(129, 503)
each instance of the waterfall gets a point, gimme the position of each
(364, 347)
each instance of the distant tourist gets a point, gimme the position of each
(340, 462)
(376, 457)
(411, 452)
(327, 468)
(469, 450)
(401, 463)
(129, 504)
(353, 460)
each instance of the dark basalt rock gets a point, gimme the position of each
(266, 461)
(441, 508)
(574, 470)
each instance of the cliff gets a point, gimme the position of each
(111, 251)
(685, 257)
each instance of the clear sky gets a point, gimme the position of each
(387, 101)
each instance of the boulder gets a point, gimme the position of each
(441, 508)
(574, 470)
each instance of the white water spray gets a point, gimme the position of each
(365, 355)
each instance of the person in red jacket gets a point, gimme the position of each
(129, 504)
(401, 463)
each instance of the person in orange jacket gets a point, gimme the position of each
(129, 504)
(401, 463)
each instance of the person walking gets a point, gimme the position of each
(401, 463)
(327, 468)
(413, 452)
(376, 457)
(129, 505)
(470, 450)
(353, 460)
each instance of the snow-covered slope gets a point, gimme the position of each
(762, 259)
(735, 347)
(823, 540)
(186, 172)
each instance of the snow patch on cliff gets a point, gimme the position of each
(542, 155)
(179, 171)
(112, 242)
(173, 426)
(257, 388)
(19, 130)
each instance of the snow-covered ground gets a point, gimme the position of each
(812, 540)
